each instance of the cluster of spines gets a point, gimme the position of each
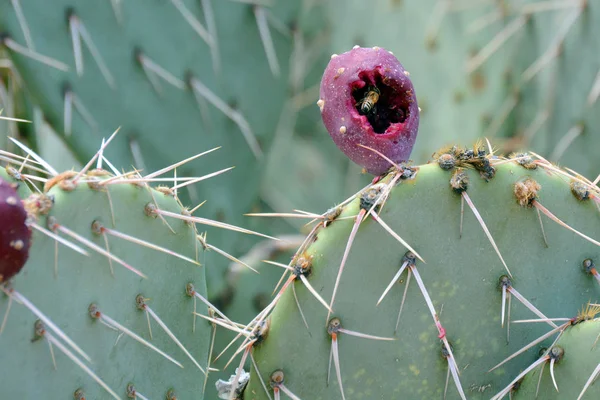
(373, 198)
(40, 204)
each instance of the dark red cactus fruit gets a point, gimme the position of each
(15, 235)
(367, 98)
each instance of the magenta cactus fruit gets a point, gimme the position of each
(368, 99)
(15, 235)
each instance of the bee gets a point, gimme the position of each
(371, 98)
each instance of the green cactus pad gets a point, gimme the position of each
(64, 292)
(461, 275)
(470, 64)
(581, 358)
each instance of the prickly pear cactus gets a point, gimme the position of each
(104, 306)
(573, 371)
(413, 291)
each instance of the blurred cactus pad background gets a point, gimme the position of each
(238, 81)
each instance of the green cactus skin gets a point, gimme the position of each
(581, 358)
(65, 294)
(461, 275)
